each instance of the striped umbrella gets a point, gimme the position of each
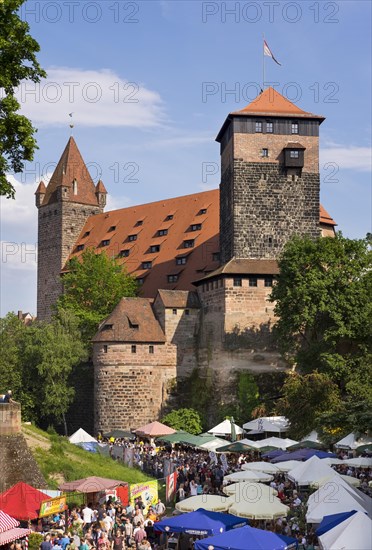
(7, 522)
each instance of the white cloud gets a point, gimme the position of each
(20, 212)
(19, 256)
(95, 97)
(347, 157)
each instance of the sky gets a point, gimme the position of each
(150, 83)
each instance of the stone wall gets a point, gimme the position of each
(131, 388)
(10, 418)
(59, 225)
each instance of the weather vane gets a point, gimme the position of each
(71, 122)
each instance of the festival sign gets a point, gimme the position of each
(52, 506)
(147, 491)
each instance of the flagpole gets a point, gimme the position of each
(263, 61)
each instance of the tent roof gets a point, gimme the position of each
(81, 436)
(215, 503)
(262, 508)
(236, 447)
(214, 444)
(276, 442)
(311, 470)
(22, 501)
(268, 424)
(154, 429)
(248, 475)
(247, 538)
(351, 442)
(91, 484)
(200, 522)
(224, 428)
(7, 522)
(354, 532)
(328, 522)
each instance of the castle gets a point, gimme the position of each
(205, 263)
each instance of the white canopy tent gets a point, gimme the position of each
(224, 428)
(266, 467)
(248, 475)
(351, 442)
(213, 503)
(214, 444)
(352, 481)
(288, 465)
(355, 532)
(335, 497)
(249, 491)
(310, 471)
(81, 436)
(262, 509)
(313, 436)
(249, 442)
(359, 462)
(277, 442)
(276, 424)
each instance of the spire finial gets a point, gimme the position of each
(71, 122)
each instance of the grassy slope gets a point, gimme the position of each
(61, 461)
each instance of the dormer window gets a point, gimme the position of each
(264, 153)
(169, 217)
(172, 278)
(146, 265)
(132, 238)
(258, 127)
(189, 243)
(162, 232)
(80, 247)
(86, 234)
(294, 128)
(181, 260)
(139, 222)
(155, 248)
(112, 228)
(124, 253)
(196, 227)
(202, 211)
(294, 154)
(105, 242)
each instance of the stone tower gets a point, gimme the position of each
(63, 208)
(269, 177)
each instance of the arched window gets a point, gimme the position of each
(74, 186)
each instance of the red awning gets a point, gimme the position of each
(6, 522)
(13, 534)
(22, 501)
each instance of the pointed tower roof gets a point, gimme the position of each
(41, 189)
(100, 188)
(271, 102)
(70, 167)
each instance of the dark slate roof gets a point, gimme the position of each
(179, 298)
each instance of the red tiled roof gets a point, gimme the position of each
(179, 298)
(41, 189)
(70, 167)
(325, 217)
(132, 320)
(199, 258)
(271, 102)
(100, 188)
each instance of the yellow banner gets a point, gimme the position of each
(147, 491)
(52, 506)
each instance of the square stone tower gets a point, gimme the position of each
(63, 208)
(270, 181)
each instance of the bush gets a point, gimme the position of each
(34, 541)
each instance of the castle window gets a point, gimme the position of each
(162, 232)
(268, 281)
(181, 260)
(112, 228)
(151, 349)
(187, 312)
(252, 281)
(269, 127)
(146, 265)
(294, 128)
(169, 217)
(105, 349)
(294, 154)
(265, 153)
(132, 237)
(105, 242)
(221, 283)
(216, 256)
(133, 348)
(80, 247)
(258, 127)
(124, 253)
(140, 281)
(174, 311)
(188, 243)
(74, 187)
(196, 227)
(202, 211)
(86, 234)
(172, 278)
(139, 222)
(237, 281)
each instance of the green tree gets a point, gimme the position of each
(323, 302)
(305, 399)
(18, 63)
(247, 397)
(184, 419)
(50, 351)
(93, 286)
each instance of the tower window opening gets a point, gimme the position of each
(74, 186)
(253, 281)
(237, 281)
(265, 152)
